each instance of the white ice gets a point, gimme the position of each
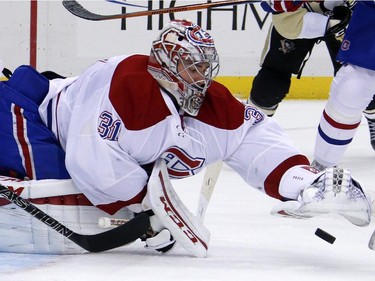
(247, 243)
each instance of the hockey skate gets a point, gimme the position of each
(334, 191)
(371, 127)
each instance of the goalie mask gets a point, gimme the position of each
(184, 61)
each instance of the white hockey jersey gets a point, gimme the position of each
(114, 118)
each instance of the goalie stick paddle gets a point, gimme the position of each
(100, 242)
(208, 185)
(78, 10)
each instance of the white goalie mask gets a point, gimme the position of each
(184, 61)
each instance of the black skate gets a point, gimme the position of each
(371, 127)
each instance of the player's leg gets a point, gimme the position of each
(369, 113)
(351, 91)
(280, 59)
(26, 143)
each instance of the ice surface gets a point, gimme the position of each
(247, 243)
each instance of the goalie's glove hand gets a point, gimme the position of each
(161, 241)
(339, 19)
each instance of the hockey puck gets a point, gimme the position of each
(325, 236)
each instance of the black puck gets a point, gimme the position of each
(325, 236)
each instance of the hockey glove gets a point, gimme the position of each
(334, 191)
(339, 19)
(158, 238)
(280, 6)
(162, 241)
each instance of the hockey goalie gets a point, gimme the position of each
(109, 141)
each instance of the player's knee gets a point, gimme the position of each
(269, 88)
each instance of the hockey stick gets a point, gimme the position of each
(125, 4)
(208, 185)
(78, 10)
(209, 181)
(105, 222)
(100, 242)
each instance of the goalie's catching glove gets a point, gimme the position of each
(334, 191)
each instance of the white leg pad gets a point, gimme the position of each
(20, 232)
(40, 188)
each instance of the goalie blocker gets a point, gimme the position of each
(187, 229)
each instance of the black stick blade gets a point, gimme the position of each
(78, 10)
(117, 237)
